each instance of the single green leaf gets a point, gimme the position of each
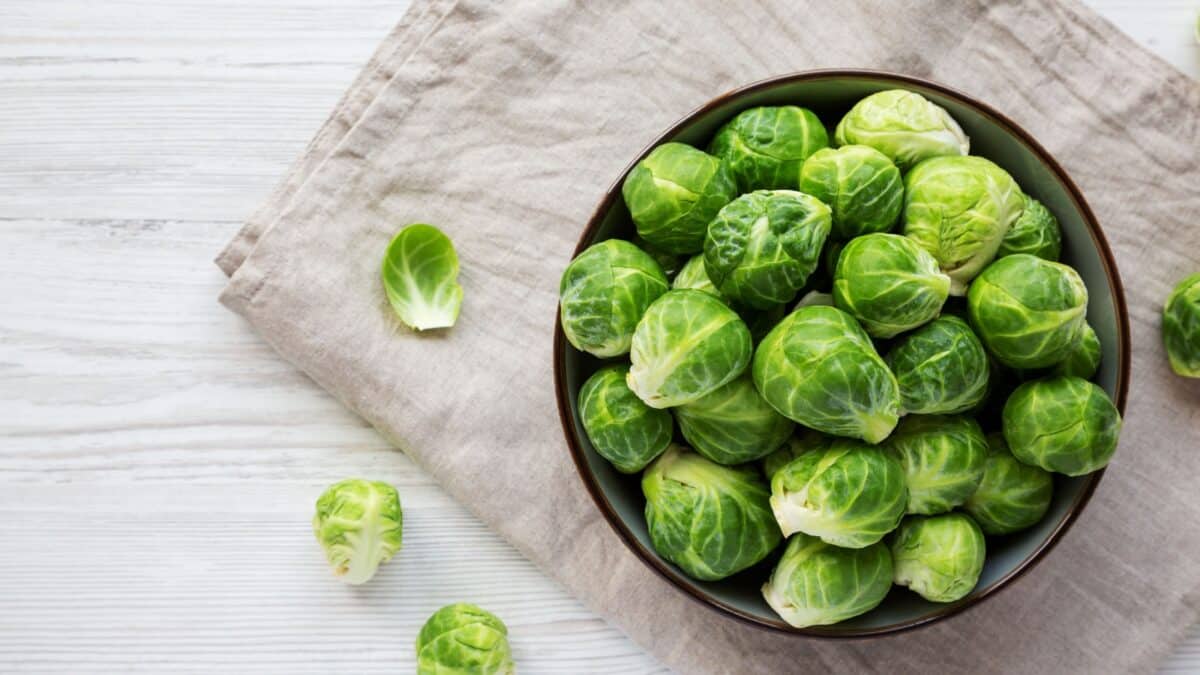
(420, 275)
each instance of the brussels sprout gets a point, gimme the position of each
(360, 525)
(1028, 312)
(848, 494)
(464, 639)
(941, 368)
(816, 584)
(667, 261)
(1062, 424)
(1036, 232)
(420, 277)
(861, 186)
(1084, 359)
(943, 458)
(674, 192)
(819, 368)
(687, 344)
(604, 292)
(815, 298)
(938, 557)
(692, 275)
(733, 424)
(1012, 496)
(710, 520)
(888, 283)
(623, 430)
(765, 147)
(793, 448)
(761, 248)
(903, 125)
(1181, 327)
(959, 209)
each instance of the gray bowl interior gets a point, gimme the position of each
(830, 97)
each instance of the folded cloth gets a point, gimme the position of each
(504, 124)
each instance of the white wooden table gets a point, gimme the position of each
(158, 462)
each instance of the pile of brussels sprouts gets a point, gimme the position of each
(808, 343)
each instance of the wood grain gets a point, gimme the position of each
(158, 462)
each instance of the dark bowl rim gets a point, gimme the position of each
(650, 558)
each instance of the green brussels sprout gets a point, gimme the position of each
(816, 584)
(360, 525)
(692, 275)
(625, 431)
(733, 424)
(903, 125)
(687, 344)
(959, 209)
(795, 446)
(848, 494)
(938, 557)
(674, 192)
(761, 248)
(1062, 424)
(941, 368)
(815, 298)
(1084, 359)
(818, 368)
(861, 186)
(1036, 232)
(1029, 312)
(1181, 327)
(765, 147)
(710, 520)
(889, 283)
(943, 458)
(464, 639)
(1012, 496)
(667, 261)
(604, 292)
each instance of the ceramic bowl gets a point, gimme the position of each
(830, 93)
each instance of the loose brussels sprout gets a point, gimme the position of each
(625, 431)
(941, 368)
(733, 424)
(943, 459)
(604, 292)
(848, 494)
(938, 557)
(765, 147)
(793, 448)
(819, 368)
(903, 125)
(889, 283)
(1062, 424)
(710, 520)
(861, 186)
(692, 275)
(1036, 232)
(360, 525)
(815, 298)
(1084, 359)
(1012, 496)
(674, 192)
(667, 261)
(1181, 327)
(762, 246)
(464, 639)
(816, 584)
(420, 277)
(687, 344)
(1028, 312)
(959, 209)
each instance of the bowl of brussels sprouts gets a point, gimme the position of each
(842, 353)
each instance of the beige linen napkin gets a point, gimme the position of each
(506, 124)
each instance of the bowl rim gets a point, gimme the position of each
(651, 559)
